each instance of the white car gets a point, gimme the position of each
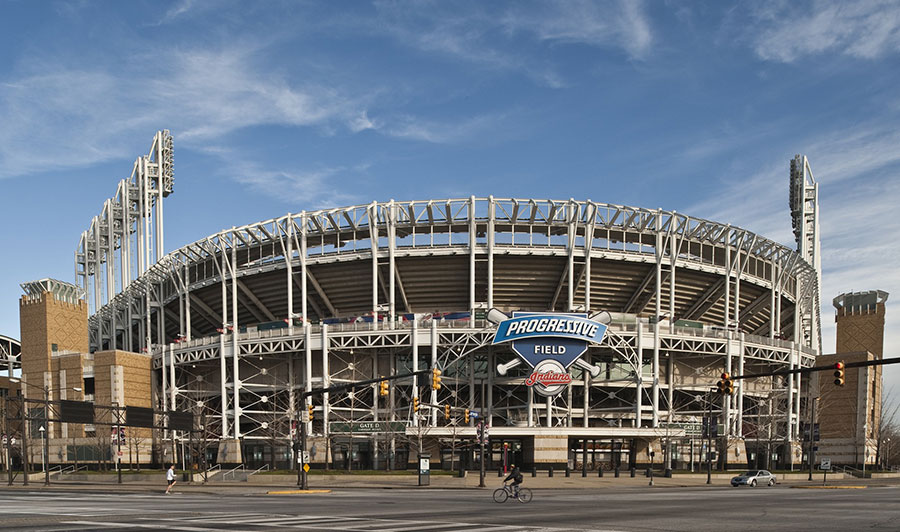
(760, 477)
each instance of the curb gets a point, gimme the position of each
(829, 487)
(296, 492)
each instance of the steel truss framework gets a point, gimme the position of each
(380, 270)
(9, 354)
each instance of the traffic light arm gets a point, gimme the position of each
(829, 367)
(362, 384)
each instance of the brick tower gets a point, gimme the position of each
(850, 415)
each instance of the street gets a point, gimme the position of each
(445, 510)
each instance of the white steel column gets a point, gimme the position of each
(572, 208)
(772, 317)
(740, 390)
(236, 377)
(470, 365)
(222, 372)
(373, 244)
(414, 345)
(289, 263)
(588, 245)
(434, 352)
(587, 396)
(307, 368)
(655, 366)
(187, 303)
(673, 258)
(492, 363)
(392, 271)
(549, 403)
(530, 406)
(165, 379)
(471, 255)
(303, 272)
(173, 389)
(639, 374)
(790, 395)
(490, 261)
(726, 403)
(727, 305)
(326, 381)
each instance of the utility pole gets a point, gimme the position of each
(708, 441)
(46, 449)
(481, 455)
(25, 460)
(8, 432)
(302, 479)
(118, 444)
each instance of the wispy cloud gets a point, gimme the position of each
(201, 94)
(788, 31)
(309, 188)
(612, 24)
(443, 132)
(494, 38)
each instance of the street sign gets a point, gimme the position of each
(306, 467)
(826, 464)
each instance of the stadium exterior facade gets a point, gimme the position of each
(241, 322)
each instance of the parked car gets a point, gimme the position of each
(754, 478)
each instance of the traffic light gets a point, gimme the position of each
(467, 415)
(415, 404)
(383, 388)
(435, 379)
(309, 409)
(725, 386)
(839, 373)
(446, 411)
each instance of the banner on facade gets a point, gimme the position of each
(367, 427)
(549, 342)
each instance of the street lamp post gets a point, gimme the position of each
(44, 456)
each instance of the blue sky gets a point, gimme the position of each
(278, 107)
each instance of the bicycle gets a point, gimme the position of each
(506, 492)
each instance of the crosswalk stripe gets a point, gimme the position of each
(138, 525)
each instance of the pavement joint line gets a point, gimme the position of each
(296, 492)
(829, 487)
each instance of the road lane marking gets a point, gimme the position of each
(138, 525)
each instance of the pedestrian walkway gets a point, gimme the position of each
(260, 521)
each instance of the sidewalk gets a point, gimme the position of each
(262, 483)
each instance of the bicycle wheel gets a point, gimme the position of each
(500, 495)
(524, 495)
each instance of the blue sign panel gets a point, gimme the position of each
(535, 325)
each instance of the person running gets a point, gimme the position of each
(516, 476)
(170, 478)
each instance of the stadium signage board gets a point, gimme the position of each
(549, 343)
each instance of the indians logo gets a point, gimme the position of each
(550, 343)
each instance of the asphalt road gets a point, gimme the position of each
(435, 510)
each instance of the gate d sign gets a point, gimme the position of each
(549, 343)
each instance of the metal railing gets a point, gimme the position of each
(233, 472)
(263, 468)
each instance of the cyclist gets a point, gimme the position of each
(516, 476)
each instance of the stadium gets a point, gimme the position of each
(240, 323)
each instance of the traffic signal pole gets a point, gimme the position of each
(481, 457)
(302, 480)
